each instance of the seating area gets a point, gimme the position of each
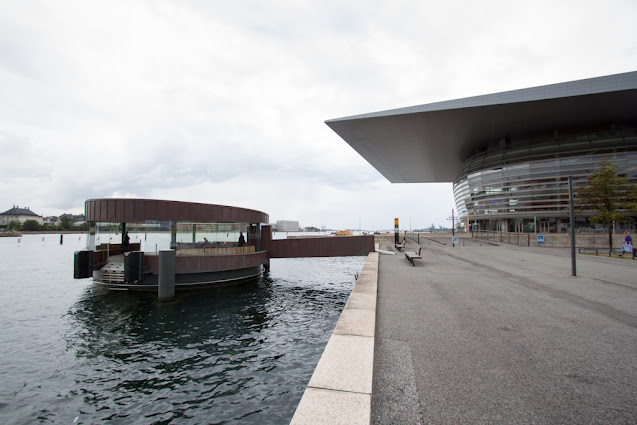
(411, 256)
(117, 248)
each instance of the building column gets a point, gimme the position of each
(173, 235)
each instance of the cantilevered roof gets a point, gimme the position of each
(429, 143)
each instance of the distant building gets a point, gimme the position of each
(50, 221)
(20, 215)
(73, 217)
(287, 226)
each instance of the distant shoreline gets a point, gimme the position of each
(55, 232)
(10, 234)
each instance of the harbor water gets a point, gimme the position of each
(73, 353)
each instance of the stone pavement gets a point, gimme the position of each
(339, 391)
(488, 334)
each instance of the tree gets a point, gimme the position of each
(30, 226)
(65, 223)
(608, 196)
(14, 225)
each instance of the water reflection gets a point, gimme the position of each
(201, 345)
(217, 356)
(128, 319)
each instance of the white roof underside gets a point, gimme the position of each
(429, 143)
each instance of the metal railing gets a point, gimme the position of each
(419, 238)
(604, 252)
(520, 239)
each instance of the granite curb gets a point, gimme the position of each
(340, 389)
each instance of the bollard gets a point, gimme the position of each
(166, 280)
(61, 239)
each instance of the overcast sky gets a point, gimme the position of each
(224, 102)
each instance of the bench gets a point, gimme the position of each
(400, 246)
(411, 256)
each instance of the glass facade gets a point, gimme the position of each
(154, 236)
(523, 186)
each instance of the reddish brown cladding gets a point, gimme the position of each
(209, 263)
(138, 210)
(266, 237)
(330, 246)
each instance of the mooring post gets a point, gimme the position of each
(166, 281)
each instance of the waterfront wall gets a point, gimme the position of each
(330, 246)
(340, 390)
(327, 246)
(386, 238)
(553, 240)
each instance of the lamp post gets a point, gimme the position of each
(572, 222)
(396, 236)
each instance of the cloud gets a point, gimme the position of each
(225, 102)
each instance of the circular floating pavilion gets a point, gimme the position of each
(213, 244)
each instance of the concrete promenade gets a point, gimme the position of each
(504, 335)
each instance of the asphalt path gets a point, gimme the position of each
(505, 335)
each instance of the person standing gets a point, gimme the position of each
(628, 241)
(126, 241)
(242, 240)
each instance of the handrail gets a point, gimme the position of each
(218, 251)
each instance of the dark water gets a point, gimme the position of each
(73, 353)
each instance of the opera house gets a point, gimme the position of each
(508, 154)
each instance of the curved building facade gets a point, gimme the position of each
(523, 185)
(509, 154)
